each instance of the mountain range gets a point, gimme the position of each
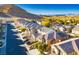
(16, 11)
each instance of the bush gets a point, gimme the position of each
(45, 23)
(41, 47)
(21, 28)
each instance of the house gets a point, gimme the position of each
(33, 30)
(62, 36)
(60, 27)
(43, 30)
(68, 28)
(68, 47)
(29, 25)
(75, 30)
(50, 36)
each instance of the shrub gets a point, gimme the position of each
(42, 47)
(45, 23)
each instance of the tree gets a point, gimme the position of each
(45, 23)
(42, 47)
(22, 29)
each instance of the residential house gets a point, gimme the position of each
(68, 28)
(47, 34)
(59, 27)
(62, 36)
(68, 47)
(75, 30)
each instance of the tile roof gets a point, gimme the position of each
(51, 34)
(67, 47)
(61, 34)
(30, 25)
(77, 43)
(45, 29)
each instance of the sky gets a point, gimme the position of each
(51, 9)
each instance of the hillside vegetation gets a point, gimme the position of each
(65, 20)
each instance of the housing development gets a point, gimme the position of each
(23, 33)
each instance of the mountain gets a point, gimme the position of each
(3, 14)
(16, 11)
(69, 14)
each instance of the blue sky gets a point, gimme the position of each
(50, 9)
